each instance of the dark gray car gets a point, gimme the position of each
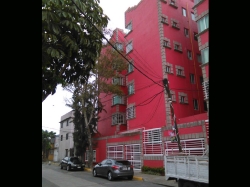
(72, 163)
(113, 168)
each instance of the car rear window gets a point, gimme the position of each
(123, 162)
(75, 160)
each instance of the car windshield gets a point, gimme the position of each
(75, 160)
(123, 162)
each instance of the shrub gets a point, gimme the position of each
(152, 170)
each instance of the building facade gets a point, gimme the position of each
(160, 42)
(202, 18)
(66, 143)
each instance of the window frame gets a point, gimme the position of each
(184, 11)
(186, 32)
(192, 16)
(131, 88)
(192, 78)
(118, 118)
(130, 112)
(189, 54)
(196, 105)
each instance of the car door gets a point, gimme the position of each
(100, 168)
(64, 161)
(106, 167)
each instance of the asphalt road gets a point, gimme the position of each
(53, 176)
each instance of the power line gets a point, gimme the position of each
(112, 45)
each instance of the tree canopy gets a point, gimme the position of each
(86, 101)
(70, 42)
(46, 139)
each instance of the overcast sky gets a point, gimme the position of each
(54, 106)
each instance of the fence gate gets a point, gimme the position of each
(133, 154)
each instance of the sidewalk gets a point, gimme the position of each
(138, 175)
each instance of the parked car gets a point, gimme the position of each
(72, 163)
(114, 168)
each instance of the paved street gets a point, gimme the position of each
(53, 176)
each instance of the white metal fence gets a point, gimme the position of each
(189, 147)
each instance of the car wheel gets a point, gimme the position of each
(110, 177)
(94, 173)
(68, 167)
(130, 177)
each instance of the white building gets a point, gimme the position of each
(56, 148)
(66, 145)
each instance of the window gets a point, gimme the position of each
(175, 24)
(192, 80)
(61, 124)
(195, 37)
(129, 26)
(118, 119)
(66, 153)
(129, 47)
(205, 55)
(183, 98)
(119, 46)
(196, 1)
(130, 67)
(198, 57)
(173, 97)
(117, 100)
(189, 54)
(186, 32)
(201, 80)
(118, 81)
(180, 71)
(61, 137)
(152, 142)
(176, 47)
(205, 105)
(67, 136)
(192, 16)
(130, 112)
(184, 12)
(115, 152)
(130, 88)
(195, 102)
(173, 3)
(203, 23)
(67, 123)
(166, 43)
(168, 69)
(164, 19)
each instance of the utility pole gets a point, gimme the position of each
(166, 85)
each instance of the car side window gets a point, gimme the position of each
(103, 162)
(109, 162)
